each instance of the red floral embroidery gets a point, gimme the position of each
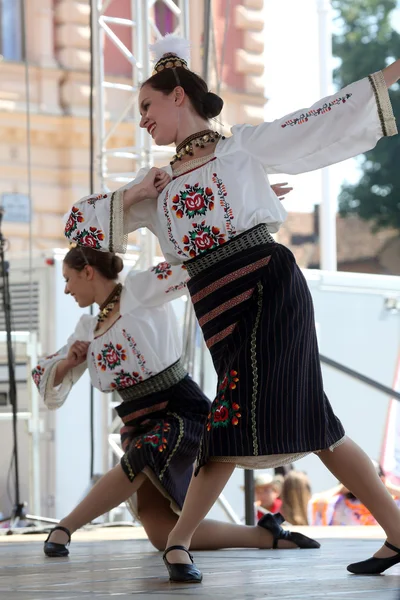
(124, 380)
(155, 437)
(193, 201)
(315, 112)
(111, 357)
(90, 238)
(224, 411)
(37, 375)
(162, 270)
(202, 238)
(74, 218)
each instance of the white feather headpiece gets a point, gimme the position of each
(171, 44)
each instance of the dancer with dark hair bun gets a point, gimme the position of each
(133, 348)
(252, 302)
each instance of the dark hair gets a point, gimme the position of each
(107, 263)
(205, 103)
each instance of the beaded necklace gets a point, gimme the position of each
(199, 139)
(109, 303)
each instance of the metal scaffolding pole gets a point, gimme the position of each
(143, 31)
(327, 219)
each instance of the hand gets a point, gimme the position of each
(280, 190)
(391, 73)
(77, 354)
(150, 187)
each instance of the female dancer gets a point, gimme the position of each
(133, 347)
(250, 298)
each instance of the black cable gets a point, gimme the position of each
(360, 377)
(6, 300)
(9, 472)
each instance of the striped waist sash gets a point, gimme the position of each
(256, 236)
(223, 279)
(148, 397)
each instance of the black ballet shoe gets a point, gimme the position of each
(181, 573)
(375, 566)
(57, 550)
(273, 524)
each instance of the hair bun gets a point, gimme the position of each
(212, 104)
(117, 263)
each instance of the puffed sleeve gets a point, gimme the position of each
(336, 128)
(44, 373)
(99, 221)
(153, 287)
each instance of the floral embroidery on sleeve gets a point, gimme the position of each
(37, 375)
(193, 201)
(202, 238)
(162, 270)
(315, 112)
(90, 238)
(111, 357)
(176, 288)
(93, 199)
(74, 218)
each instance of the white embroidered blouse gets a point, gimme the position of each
(208, 206)
(144, 341)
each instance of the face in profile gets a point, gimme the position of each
(159, 114)
(78, 285)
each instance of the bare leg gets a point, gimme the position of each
(112, 489)
(202, 493)
(158, 519)
(349, 463)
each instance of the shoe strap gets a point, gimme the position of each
(394, 548)
(180, 548)
(65, 530)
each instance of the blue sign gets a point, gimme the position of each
(16, 208)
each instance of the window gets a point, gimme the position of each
(11, 30)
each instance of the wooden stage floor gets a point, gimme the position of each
(121, 563)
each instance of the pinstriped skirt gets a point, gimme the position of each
(257, 317)
(161, 437)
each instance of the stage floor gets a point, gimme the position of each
(121, 563)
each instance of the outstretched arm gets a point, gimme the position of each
(335, 128)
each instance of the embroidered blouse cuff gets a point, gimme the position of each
(118, 239)
(384, 105)
(55, 396)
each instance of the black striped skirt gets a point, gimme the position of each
(164, 418)
(256, 313)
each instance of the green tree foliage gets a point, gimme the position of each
(367, 43)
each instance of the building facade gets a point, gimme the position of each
(55, 84)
